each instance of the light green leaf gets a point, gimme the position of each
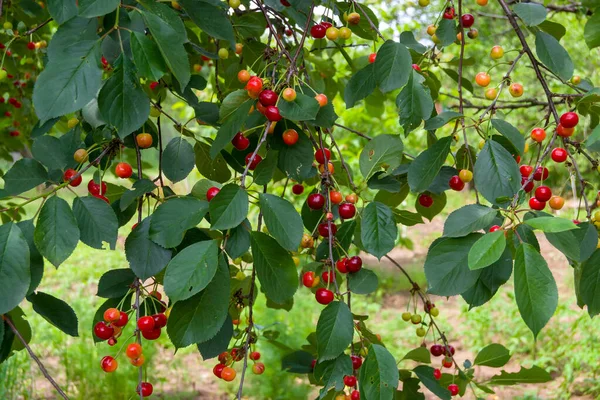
(15, 275)
(420, 354)
(423, 170)
(493, 355)
(97, 222)
(335, 329)
(383, 149)
(551, 224)
(531, 13)
(228, 208)
(56, 233)
(446, 32)
(378, 229)
(487, 250)
(534, 374)
(467, 219)
(553, 55)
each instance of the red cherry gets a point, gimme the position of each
(123, 170)
(122, 321)
(355, 395)
(372, 57)
(145, 323)
(323, 229)
(14, 133)
(347, 210)
(437, 350)
(425, 200)
(535, 204)
(350, 380)
(69, 174)
(255, 355)
(240, 141)
(559, 155)
(313, 363)
(326, 24)
(254, 85)
(447, 362)
(315, 201)
(328, 276)
(449, 13)
(526, 170)
(569, 120)
(543, 193)
(108, 364)
(356, 362)
(297, 189)
(342, 265)
(285, 3)
(153, 85)
(453, 388)
(538, 134)
(31, 46)
(416, 67)
(467, 20)
(160, 320)
(151, 335)
(318, 31)
(321, 154)
(146, 389)
(94, 188)
(529, 187)
(437, 374)
(495, 228)
(541, 174)
(218, 369)
(272, 114)
(212, 192)
(103, 331)
(268, 98)
(104, 61)
(254, 163)
(451, 352)
(308, 279)
(324, 296)
(101, 197)
(354, 264)
(456, 184)
(576, 221)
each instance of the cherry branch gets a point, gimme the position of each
(371, 24)
(251, 159)
(34, 357)
(274, 31)
(160, 151)
(137, 282)
(344, 165)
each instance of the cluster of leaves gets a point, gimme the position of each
(111, 65)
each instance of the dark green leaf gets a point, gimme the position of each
(378, 376)
(298, 362)
(97, 222)
(393, 66)
(364, 281)
(420, 354)
(331, 373)
(56, 312)
(14, 267)
(229, 207)
(577, 244)
(531, 13)
(591, 33)
(211, 18)
(178, 159)
(361, 85)
(238, 242)
(49, 151)
(423, 170)
(534, 374)
(218, 344)
(304, 108)
(414, 102)
(439, 202)
(56, 234)
(249, 24)
(511, 133)
(215, 169)
(36, 261)
(378, 229)
(335, 329)
(497, 174)
(115, 283)
(266, 168)
(553, 55)
(425, 374)
(440, 120)
(145, 257)
(62, 10)
(407, 218)
(489, 281)
(174, 217)
(282, 220)
(24, 175)
(148, 59)
(231, 126)
(140, 188)
(553, 28)
(383, 149)
(446, 32)
(493, 355)
(467, 219)
(97, 8)
(590, 283)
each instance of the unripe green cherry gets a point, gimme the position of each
(421, 332)
(415, 319)
(223, 53)
(406, 316)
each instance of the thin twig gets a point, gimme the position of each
(262, 140)
(35, 28)
(362, 135)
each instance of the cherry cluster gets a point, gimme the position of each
(224, 370)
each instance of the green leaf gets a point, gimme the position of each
(535, 289)
(378, 376)
(425, 374)
(219, 343)
(407, 218)
(534, 374)
(145, 257)
(531, 13)
(191, 270)
(446, 32)
(378, 229)
(73, 39)
(414, 102)
(496, 174)
(201, 317)
(592, 142)
(487, 250)
(115, 283)
(423, 170)
(275, 268)
(553, 55)
(364, 281)
(169, 33)
(238, 242)
(228, 208)
(282, 221)
(551, 224)
(36, 261)
(446, 266)
(97, 8)
(140, 188)
(440, 120)
(214, 169)
(296, 161)
(169, 223)
(122, 102)
(489, 281)
(420, 354)
(249, 24)
(230, 128)
(178, 159)
(383, 149)
(97, 222)
(303, 108)
(361, 85)
(335, 329)
(591, 32)
(331, 373)
(299, 362)
(50, 152)
(393, 66)
(56, 234)
(14, 267)
(56, 312)
(493, 355)
(62, 10)
(266, 168)
(510, 132)
(211, 18)
(147, 57)
(467, 219)
(25, 174)
(439, 202)
(577, 244)
(553, 28)
(232, 102)
(22, 326)
(326, 116)
(590, 283)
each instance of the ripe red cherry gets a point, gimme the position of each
(451, 352)
(153, 85)
(268, 98)
(347, 210)
(70, 173)
(447, 362)
(318, 31)
(535, 204)
(323, 229)
(321, 154)
(123, 319)
(526, 170)
(416, 67)
(94, 188)
(212, 192)
(355, 395)
(456, 184)
(350, 380)
(285, 3)
(529, 187)
(354, 264)
(151, 335)
(308, 279)
(14, 133)
(146, 389)
(315, 201)
(297, 189)
(328, 276)
(543, 193)
(254, 163)
(425, 200)
(108, 364)
(569, 120)
(272, 114)
(538, 134)
(160, 320)
(453, 388)
(449, 13)
(541, 174)
(356, 362)
(145, 323)
(240, 141)
(467, 20)
(495, 228)
(559, 155)
(437, 350)
(254, 85)
(218, 369)
(31, 46)
(123, 170)
(437, 374)
(326, 24)
(324, 296)
(103, 331)
(342, 265)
